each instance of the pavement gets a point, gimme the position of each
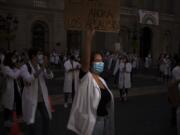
(141, 115)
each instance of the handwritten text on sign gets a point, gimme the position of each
(102, 17)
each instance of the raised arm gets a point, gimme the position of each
(13, 73)
(86, 50)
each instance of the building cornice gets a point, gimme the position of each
(124, 11)
(4, 6)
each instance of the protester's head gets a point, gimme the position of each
(46, 58)
(126, 59)
(10, 60)
(32, 53)
(97, 64)
(40, 56)
(72, 57)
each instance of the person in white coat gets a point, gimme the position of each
(71, 78)
(124, 82)
(92, 111)
(11, 96)
(35, 103)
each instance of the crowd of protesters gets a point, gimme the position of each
(24, 90)
(24, 87)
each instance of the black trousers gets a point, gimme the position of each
(42, 121)
(66, 95)
(17, 102)
(7, 115)
(173, 116)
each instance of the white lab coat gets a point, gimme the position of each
(56, 59)
(30, 93)
(124, 75)
(116, 68)
(167, 67)
(8, 94)
(110, 63)
(84, 109)
(70, 75)
(52, 59)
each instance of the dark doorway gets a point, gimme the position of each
(40, 35)
(145, 42)
(74, 40)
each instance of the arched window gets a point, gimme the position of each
(40, 35)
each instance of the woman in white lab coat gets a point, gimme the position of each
(71, 78)
(11, 94)
(124, 82)
(35, 103)
(92, 111)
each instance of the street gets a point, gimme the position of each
(146, 112)
(141, 115)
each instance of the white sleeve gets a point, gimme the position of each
(26, 75)
(121, 67)
(67, 67)
(128, 68)
(47, 75)
(12, 73)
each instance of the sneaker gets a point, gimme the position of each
(65, 105)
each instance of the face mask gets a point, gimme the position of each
(40, 56)
(14, 60)
(40, 59)
(98, 67)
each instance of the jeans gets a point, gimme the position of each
(100, 125)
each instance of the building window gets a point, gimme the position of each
(170, 7)
(167, 6)
(128, 3)
(149, 4)
(40, 3)
(40, 35)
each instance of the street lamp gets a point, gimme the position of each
(8, 25)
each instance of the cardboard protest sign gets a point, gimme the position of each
(102, 14)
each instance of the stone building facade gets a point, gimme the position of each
(41, 24)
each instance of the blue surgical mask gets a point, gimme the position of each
(98, 67)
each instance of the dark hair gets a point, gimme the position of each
(72, 57)
(32, 52)
(7, 60)
(93, 56)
